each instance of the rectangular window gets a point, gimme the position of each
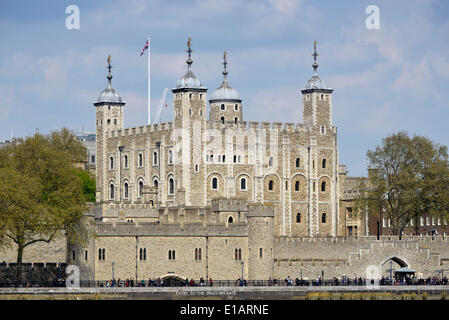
(260, 252)
(428, 221)
(73, 255)
(421, 221)
(383, 223)
(85, 254)
(92, 159)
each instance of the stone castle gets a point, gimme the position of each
(211, 195)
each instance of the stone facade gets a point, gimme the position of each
(218, 197)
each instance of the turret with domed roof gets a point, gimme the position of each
(317, 100)
(225, 101)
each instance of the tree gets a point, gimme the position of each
(41, 198)
(88, 183)
(408, 179)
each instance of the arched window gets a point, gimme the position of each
(111, 191)
(298, 218)
(270, 185)
(126, 190)
(270, 161)
(190, 96)
(240, 254)
(140, 189)
(156, 183)
(222, 120)
(199, 254)
(222, 107)
(125, 161)
(235, 120)
(170, 156)
(214, 183)
(171, 186)
(243, 184)
(236, 254)
(140, 160)
(196, 254)
(109, 121)
(230, 220)
(155, 158)
(297, 162)
(103, 254)
(323, 129)
(323, 186)
(297, 186)
(323, 218)
(236, 107)
(111, 163)
(324, 163)
(224, 159)
(115, 121)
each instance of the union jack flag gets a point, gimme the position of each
(147, 44)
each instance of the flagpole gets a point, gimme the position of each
(149, 82)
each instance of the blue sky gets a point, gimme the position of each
(387, 80)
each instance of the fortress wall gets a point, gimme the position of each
(54, 251)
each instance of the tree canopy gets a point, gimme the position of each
(408, 179)
(43, 195)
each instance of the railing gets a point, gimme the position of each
(223, 283)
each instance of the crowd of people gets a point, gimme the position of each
(157, 282)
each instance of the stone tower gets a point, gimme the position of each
(317, 100)
(109, 116)
(190, 118)
(225, 102)
(322, 155)
(260, 241)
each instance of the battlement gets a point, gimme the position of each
(105, 229)
(134, 131)
(252, 126)
(231, 204)
(361, 239)
(259, 210)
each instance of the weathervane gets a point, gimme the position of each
(225, 62)
(109, 63)
(314, 54)
(189, 60)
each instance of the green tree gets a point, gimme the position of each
(408, 179)
(41, 198)
(88, 182)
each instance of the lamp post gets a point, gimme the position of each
(242, 273)
(113, 263)
(391, 270)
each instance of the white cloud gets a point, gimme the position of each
(286, 7)
(414, 76)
